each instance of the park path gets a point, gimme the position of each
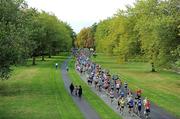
(85, 108)
(156, 112)
(105, 97)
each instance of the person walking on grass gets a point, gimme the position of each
(71, 87)
(56, 65)
(80, 91)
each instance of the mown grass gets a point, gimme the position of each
(162, 87)
(37, 92)
(103, 110)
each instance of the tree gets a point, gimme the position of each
(85, 38)
(12, 35)
(150, 29)
(25, 33)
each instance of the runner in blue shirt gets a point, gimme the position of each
(131, 105)
(139, 106)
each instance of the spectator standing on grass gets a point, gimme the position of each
(56, 65)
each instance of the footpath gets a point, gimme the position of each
(89, 113)
(156, 111)
(85, 108)
(105, 97)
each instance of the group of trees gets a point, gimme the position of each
(28, 33)
(150, 29)
(85, 37)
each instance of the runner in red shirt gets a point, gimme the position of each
(138, 93)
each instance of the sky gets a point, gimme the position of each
(80, 13)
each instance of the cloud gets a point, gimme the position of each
(80, 13)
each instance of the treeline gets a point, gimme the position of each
(27, 33)
(150, 30)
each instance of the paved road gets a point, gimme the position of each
(156, 112)
(85, 108)
(89, 113)
(103, 95)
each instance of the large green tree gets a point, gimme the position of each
(26, 32)
(13, 35)
(149, 29)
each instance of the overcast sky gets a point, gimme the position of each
(80, 13)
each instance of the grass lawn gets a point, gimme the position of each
(162, 87)
(37, 92)
(104, 111)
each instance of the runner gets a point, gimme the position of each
(126, 87)
(138, 93)
(117, 87)
(122, 94)
(56, 65)
(67, 68)
(100, 83)
(119, 102)
(146, 107)
(122, 104)
(111, 95)
(139, 106)
(96, 82)
(90, 79)
(131, 105)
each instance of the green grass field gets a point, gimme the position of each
(104, 111)
(37, 92)
(162, 87)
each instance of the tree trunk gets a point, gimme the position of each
(49, 53)
(42, 56)
(125, 58)
(153, 68)
(34, 60)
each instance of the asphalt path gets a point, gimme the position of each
(83, 105)
(156, 111)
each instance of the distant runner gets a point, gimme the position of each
(67, 68)
(112, 95)
(56, 65)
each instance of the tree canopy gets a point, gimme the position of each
(26, 32)
(150, 29)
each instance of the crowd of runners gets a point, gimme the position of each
(113, 86)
